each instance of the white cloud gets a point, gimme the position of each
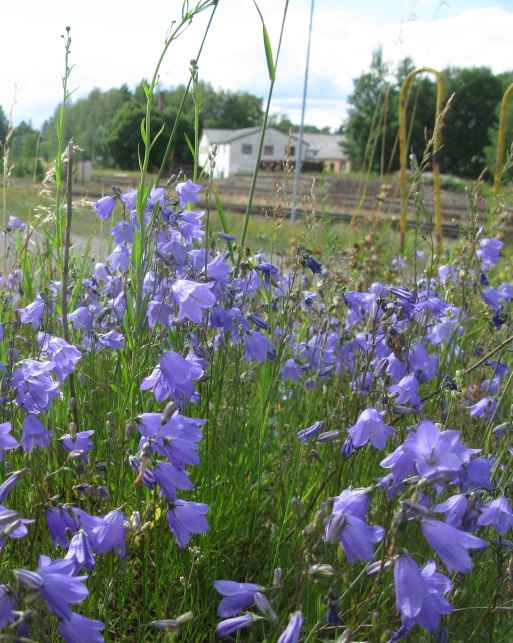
(113, 44)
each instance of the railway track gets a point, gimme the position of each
(334, 204)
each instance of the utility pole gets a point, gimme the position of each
(299, 146)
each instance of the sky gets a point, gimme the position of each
(116, 42)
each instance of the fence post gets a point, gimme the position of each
(499, 161)
(403, 153)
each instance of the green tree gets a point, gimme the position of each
(124, 140)
(374, 96)
(283, 123)
(473, 113)
(4, 124)
(88, 121)
(24, 148)
(468, 128)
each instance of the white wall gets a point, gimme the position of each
(240, 162)
(231, 160)
(221, 168)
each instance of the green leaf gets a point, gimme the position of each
(271, 68)
(189, 145)
(143, 131)
(269, 53)
(157, 136)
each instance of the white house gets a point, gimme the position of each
(234, 151)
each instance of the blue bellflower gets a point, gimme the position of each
(419, 594)
(236, 596)
(451, 544)
(347, 524)
(370, 427)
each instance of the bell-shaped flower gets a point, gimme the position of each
(119, 258)
(34, 434)
(231, 625)
(123, 232)
(6, 606)
(9, 483)
(423, 365)
(236, 596)
(35, 387)
(370, 427)
(257, 347)
(293, 630)
(420, 593)
(105, 533)
(64, 356)
(81, 319)
(105, 206)
(451, 544)
(454, 509)
(497, 514)
(489, 252)
(7, 441)
(56, 584)
(406, 392)
(80, 443)
(192, 298)
(188, 192)
(170, 478)
(81, 552)
(347, 524)
(80, 629)
(112, 340)
(185, 519)
(62, 524)
(173, 377)
(484, 408)
(33, 313)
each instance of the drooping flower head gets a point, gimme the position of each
(188, 192)
(236, 596)
(35, 387)
(105, 206)
(54, 581)
(347, 525)
(370, 427)
(33, 313)
(293, 630)
(420, 593)
(185, 519)
(451, 544)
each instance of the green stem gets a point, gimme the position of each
(182, 101)
(260, 147)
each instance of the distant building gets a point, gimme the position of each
(235, 151)
(326, 149)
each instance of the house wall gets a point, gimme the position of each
(230, 158)
(240, 162)
(221, 169)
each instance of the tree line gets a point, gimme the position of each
(106, 125)
(469, 129)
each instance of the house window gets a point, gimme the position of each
(247, 148)
(268, 150)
